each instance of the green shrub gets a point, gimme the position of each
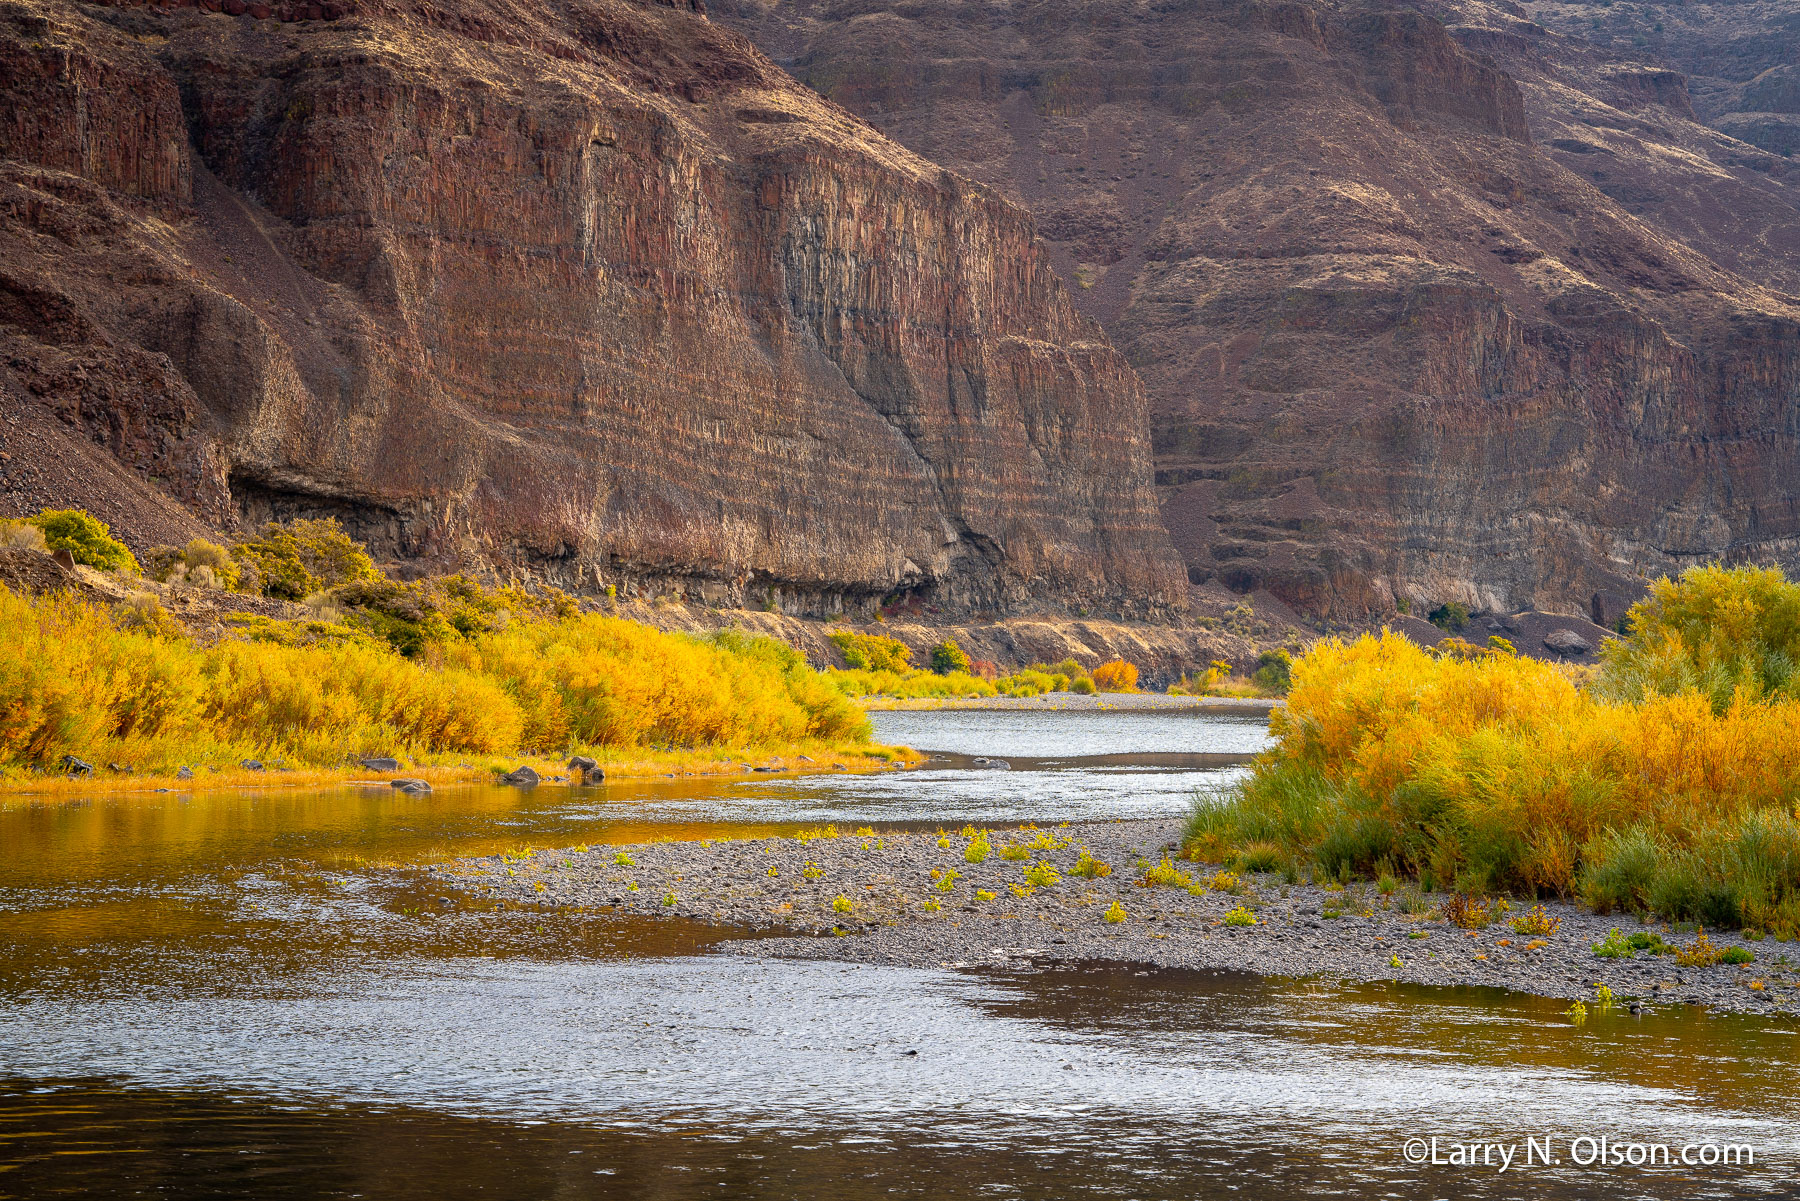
(1716, 631)
(1614, 946)
(1619, 869)
(1451, 616)
(1082, 686)
(871, 652)
(947, 657)
(85, 537)
(405, 616)
(1274, 671)
(296, 560)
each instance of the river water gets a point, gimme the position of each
(230, 995)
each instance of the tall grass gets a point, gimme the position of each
(76, 679)
(1652, 788)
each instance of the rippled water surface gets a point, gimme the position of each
(215, 995)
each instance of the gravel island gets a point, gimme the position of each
(1102, 891)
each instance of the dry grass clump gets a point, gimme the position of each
(1669, 786)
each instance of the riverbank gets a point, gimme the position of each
(1075, 702)
(881, 898)
(635, 763)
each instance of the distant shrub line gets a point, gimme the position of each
(877, 665)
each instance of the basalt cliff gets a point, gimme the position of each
(1453, 301)
(588, 292)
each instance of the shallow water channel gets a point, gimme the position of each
(213, 995)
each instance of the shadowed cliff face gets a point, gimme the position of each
(1429, 306)
(587, 292)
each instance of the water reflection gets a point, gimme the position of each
(777, 1073)
(1072, 736)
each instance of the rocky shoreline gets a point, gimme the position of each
(882, 897)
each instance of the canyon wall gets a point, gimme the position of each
(1431, 303)
(587, 292)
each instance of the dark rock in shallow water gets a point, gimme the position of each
(522, 776)
(983, 761)
(410, 785)
(581, 763)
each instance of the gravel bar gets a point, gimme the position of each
(789, 890)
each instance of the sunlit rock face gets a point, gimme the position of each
(585, 292)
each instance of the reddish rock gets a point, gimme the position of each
(1430, 305)
(559, 313)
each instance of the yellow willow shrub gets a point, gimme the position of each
(73, 680)
(605, 681)
(352, 695)
(1716, 631)
(1496, 771)
(1116, 675)
(56, 692)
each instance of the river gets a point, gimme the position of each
(234, 994)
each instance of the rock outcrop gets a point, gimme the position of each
(588, 292)
(1739, 60)
(1430, 305)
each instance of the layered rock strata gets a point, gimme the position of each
(590, 293)
(1429, 305)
